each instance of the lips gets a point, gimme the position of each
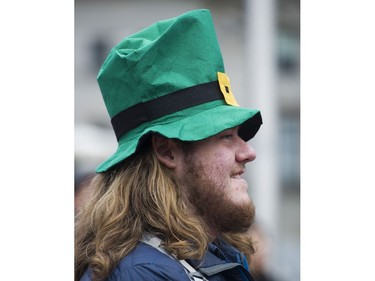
(237, 174)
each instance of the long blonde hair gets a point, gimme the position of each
(139, 196)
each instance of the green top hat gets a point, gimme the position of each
(169, 78)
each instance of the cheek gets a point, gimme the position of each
(219, 175)
(212, 165)
(213, 169)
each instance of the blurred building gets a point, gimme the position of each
(262, 76)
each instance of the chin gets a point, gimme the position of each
(238, 186)
(244, 200)
(241, 198)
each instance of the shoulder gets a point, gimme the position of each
(147, 263)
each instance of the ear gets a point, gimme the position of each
(165, 150)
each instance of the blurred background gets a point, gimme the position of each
(260, 43)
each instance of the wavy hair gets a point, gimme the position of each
(138, 196)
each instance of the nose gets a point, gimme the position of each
(245, 152)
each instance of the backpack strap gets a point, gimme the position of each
(155, 242)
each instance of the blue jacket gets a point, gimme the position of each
(145, 262)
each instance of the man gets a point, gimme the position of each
(171, 203)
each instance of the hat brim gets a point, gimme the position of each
(192, 124)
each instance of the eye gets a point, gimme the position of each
(227, 136)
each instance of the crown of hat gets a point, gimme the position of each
(163, 58)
